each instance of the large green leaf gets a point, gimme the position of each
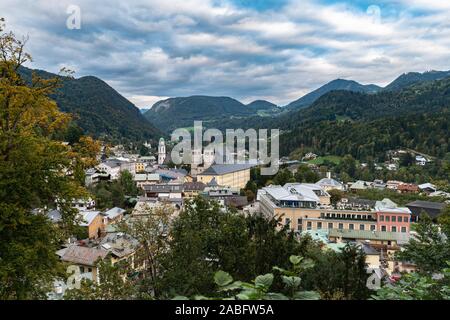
(295, 259)
(306, 295)
(264, 281)
(222, 278)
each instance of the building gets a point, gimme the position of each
(393, 239)
(110, 168)
(113, 215)
(408, 188)
(117, 246)
(143, 179)
(433, 209)
(427, 188)
(360, 185)
(92, 223)
(393, 185)
(391, 218)
(421, 160)
(161, 151)
(328, 183)
(164, 191)
(231, 175)
(193, 189)
(85, 258)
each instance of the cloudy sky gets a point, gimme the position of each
(247, 49)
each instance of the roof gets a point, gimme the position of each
(426, 204)
(164, 188)
(427, 186)
(295, 192)
(54, 215)
(194, 186)
(146, 177)
(387, 205)
(88, 217)
(114, 212)
(360, 185)
(221, 169)
(369, 235)
(236, 201)
(83, 255)
(329, 182)
(119, 244)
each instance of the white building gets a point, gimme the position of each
(161, 151)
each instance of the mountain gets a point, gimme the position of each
(143, 111)
(181, 112)
(97, 108)
(262, 105)
(411, 78)
(339, 84)
(367, 125)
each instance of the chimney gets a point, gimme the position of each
(329, 175)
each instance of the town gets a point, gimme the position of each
(380, 228)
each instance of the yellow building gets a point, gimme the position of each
(230, 175)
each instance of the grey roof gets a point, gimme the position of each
(220, 169)
(83, 255)
(369, 235)
(194, 186)
(114, 212)
(426, 204)
(164, 188)
(329, 182)
(54, 215)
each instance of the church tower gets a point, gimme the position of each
(161, 151)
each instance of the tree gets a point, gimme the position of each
(259, 289)
(429, 249)
(306, 175)
(151, 229)
(335, 196)
(417, 286)
(205, 239)
(35, 172)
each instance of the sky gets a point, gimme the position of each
(276, 50)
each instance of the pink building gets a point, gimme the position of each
(391, 218)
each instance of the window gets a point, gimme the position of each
(89, 269)
(319, 225)
(351, 226)
(399, 219)
(372, 227)
(381, 218)
(388, 218)
(403, 229)
(82, 269)
(308, 225)
(394, 229)
(341, 226)
(299, 221)
(383, 228)
(405, 219)
(330, 225)
(361, 227)
(288, 221)
(394, 219)
(299, 227)
(358, 217)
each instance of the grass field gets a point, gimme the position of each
(321, 160)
